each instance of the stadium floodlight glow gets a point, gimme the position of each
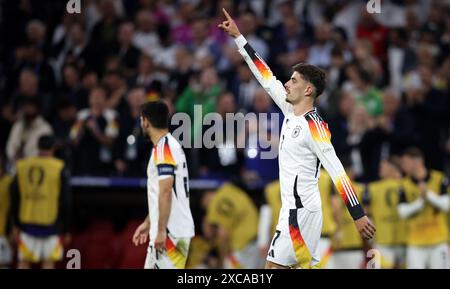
(131, 140)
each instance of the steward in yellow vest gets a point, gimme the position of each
(40, 206)
(424, 203)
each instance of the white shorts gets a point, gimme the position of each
(5, 252)
(431, 257)
(173, 257)
(35, 249)
(392, 256)
(296, 240)
(246, 258)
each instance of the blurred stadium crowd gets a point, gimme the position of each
(84, 76)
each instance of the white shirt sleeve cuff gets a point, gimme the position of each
(240, 41)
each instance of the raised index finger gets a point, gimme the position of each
(226, 14)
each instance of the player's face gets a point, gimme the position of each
(297, 88)
(293, 88)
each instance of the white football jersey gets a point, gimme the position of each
(305, 145)
(168, 160)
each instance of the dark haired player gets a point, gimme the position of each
(169, 223)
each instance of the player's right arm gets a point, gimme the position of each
(257, 65)
(140, 236)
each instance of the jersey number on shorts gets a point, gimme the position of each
(271, 251)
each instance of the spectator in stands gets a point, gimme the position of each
(263, 137)
(26, 131)
(93, 136)
(205, 51)
(34, 55)
(243, 85)
(289, 43)
(148, 77)
(179, 77)
(145, 37)
(103, 37)
(125, 49)
(165, 53)
(80, 52)
(64, 119)
(393, 132)
(248, 25)
(116, 86)
(203, 90)
(340, 124)
(359, 122)
(364, 57)
(72, 89)
(224, 159)
(320, 52)
(131, 147)
(369, 29)
(361, 84)
(429, 107)
(28, 87)
(181, 28)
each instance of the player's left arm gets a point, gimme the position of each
(165, 165)
(165, 204)
(320, 143)
(440, 201)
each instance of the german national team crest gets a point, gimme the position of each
(296, 132)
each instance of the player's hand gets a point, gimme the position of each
(229, 26)
(160, 241)
(423, 189)
(365, 228)
(141, 234)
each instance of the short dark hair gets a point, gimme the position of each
(157, 113)
(46, 142)
(394, 161)
(413, 152)
(312, 74)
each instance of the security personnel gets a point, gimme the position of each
(40, 206)
(424, 203)
(347, 244)
(234, 219)
(381, 200)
